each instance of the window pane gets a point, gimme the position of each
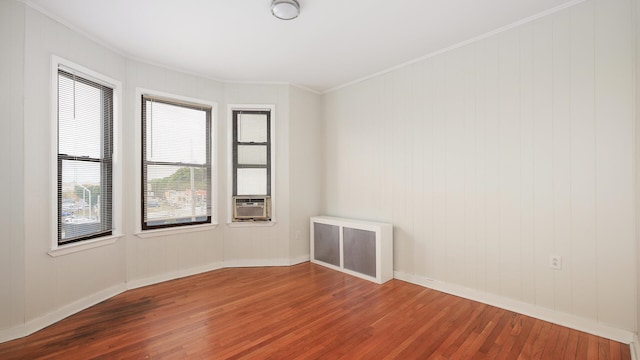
(252, 154)
(79, 118)
(252, 128)
(80, 200)
(175, 133)
(252, 181)
(85, 142)
(176, 195)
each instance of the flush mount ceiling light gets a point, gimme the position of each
(285, 9)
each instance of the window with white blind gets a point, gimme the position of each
(85, 115)
(176, 163)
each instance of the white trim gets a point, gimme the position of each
(51, 318)
(305, 88)
(73, 28)
(246, 224)
(39, 323)
(228, 201)
(13, 333)
(300, 260)
(634, 348)
(138, 173)
(83, 245)
(256, 263)
(556, 317)
(562, 319)
(175, 231)
(132, 57)
(172, 275)
(116, 201)
(320, 92)
(73, 308)
(247, 82)
(459, 45)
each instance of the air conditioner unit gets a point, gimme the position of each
(251, 208)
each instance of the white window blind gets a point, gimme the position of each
(85, 164)
(176, 163)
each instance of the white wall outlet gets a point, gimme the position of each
(555, 262)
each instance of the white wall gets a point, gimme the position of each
(636, 17)
(161, 257)
(307, 164)
(256, 246)
(487, 159)
(38, 289)
(493, 156)
(12, 211)
(53, 283)
(164, 256)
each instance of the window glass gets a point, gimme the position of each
(252, 154)
(79, 118)
(252, 128)
(252, 181)
(85, 122)
(175, 133)
(176, 176)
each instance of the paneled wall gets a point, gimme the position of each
(38, 289)
(491, 157)
(167, 256)
(11, 156)
(307, 165)
(51, 283)
(269, 245)
(636, 17)
(487, 159)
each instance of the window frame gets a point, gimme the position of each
(108, 237)
(180, 228)
(234, 151)
(230, 163)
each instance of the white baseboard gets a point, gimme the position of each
(137, 283)
(556, 317)
(70, 309)
(256, 262)
(43, 321)
(134, 284)
(299, 260)
(635, 348)
(13, 333)
(34, 325)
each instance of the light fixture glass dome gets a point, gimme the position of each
(285, 9)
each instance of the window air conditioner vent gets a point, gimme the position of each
(251, 208)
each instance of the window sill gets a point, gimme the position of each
(249, 224)
(83, 245)
(174, 231)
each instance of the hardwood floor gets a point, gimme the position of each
(307, 312)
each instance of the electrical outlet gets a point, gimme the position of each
(555, 262)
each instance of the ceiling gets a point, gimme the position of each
(331, 43)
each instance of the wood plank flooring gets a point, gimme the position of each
(301, 312)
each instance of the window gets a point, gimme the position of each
(176, 163)
(251, 152)
(85, 109)
(251, 165)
